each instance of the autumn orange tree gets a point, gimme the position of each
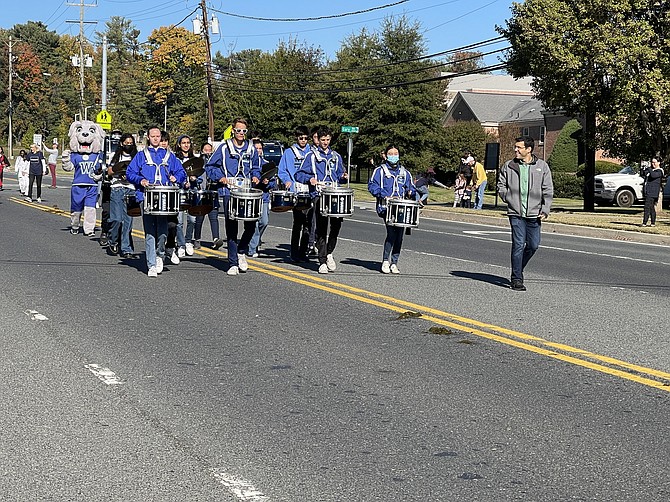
(176, 77)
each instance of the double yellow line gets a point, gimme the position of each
(566, 353)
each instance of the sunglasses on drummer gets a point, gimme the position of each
(237, 130)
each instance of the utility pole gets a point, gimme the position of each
(10, 142)
(81, 60)
(208, 70)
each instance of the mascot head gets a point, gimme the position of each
(86, 137)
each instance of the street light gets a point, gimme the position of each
(86, 111)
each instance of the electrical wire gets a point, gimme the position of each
(319, 18)
(463, 48)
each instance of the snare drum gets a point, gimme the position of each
(186, 199)
(303, 201)
(281, 201)
(402, 213)
(161, 200)
(203, 203)
(245, 204)
(133, 207)
(336, 202)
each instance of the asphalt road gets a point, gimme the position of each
(283, 385)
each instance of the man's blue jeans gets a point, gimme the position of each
(119, 219)
(480, 194)
(261, 225)
(525, 241)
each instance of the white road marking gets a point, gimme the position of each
(36, 316)
(105, 375)
(241, 488)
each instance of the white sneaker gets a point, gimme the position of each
(242, 263)
(330, 262)
(386, 267)
(181, 252)
(394, 269)
(233, 271)
(174, 259)
(323, 268)
(152, 272)
(39, 199)
(189, 249)
(159, 264)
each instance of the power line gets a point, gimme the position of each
(319, 18)
(463, 48)
(484, 69)
(306, 80)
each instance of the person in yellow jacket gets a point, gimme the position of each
(479, 181)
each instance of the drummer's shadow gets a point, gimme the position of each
(370, 265)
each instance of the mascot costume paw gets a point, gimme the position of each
(86, 158)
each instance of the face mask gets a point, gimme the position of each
(127, 148)
(393, 159)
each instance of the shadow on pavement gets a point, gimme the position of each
(491, 279)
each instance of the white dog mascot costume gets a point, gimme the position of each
(86, 158)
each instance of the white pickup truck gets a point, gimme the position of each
(624, 188)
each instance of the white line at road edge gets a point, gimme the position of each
(242, 489)
(105, 375)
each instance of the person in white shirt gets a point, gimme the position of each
(21, 168)
(51, 161)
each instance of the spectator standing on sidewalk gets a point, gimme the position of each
(652, 188)
(4, 163)
(479, 182)
(22, 168)
(525, 184)
(51, 160)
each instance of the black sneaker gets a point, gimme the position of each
(114, 248)
(104, 240)
(517, 285)
(217, 243)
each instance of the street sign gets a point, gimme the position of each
(104, 118)
(349, 129)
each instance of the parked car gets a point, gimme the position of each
(272, 151)
(624, 188)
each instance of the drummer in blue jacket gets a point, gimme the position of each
(154, 166)
(323, 167)
(235, 163)
(388, 180)
(290, 162)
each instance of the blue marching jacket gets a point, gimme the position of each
(231, 161)
(322, 165)
(155, 165)
(289, 164)
(87, 168)
(390, 181)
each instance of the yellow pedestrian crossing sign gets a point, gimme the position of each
(104, 118)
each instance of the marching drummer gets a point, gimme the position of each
(391, 180)
(322, 167)
(290, 162)
(234, 163)
(121, 224)
(155, 165)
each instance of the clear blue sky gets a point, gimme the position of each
(446, 24)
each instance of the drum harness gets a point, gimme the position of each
(330, 164)
(158, 178)
(297, 163)
(397, 181)
(246, 155)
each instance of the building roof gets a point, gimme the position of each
(497, 84)
(497, 108)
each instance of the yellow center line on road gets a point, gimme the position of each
(566, 353)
